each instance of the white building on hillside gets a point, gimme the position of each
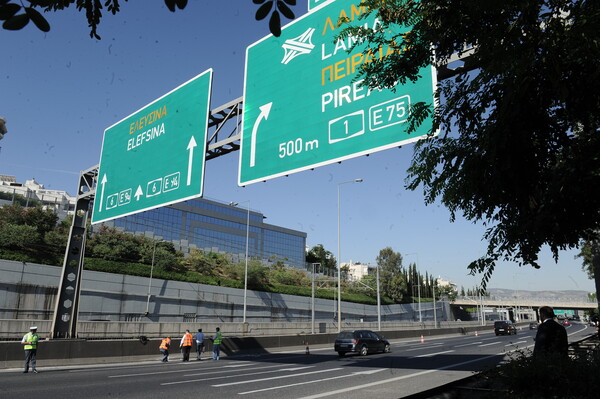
(356, 271)
(60, 201)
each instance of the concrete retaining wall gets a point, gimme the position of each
(115, 306)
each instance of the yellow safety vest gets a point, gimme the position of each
(218, 338)
(33, 338)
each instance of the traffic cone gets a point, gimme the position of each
(307, 348)
(422, 340)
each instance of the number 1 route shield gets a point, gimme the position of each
(155, 156)
(303, 104)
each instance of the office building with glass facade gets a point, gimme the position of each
(213, 226)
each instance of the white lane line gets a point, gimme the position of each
(424, 347)
(518, 342)
(203, 373)
(430, 354)
(313, 381)
(237, 375)
(379, 382)
(276, 378)
(179, 370)
(491, 343)
(472, 343)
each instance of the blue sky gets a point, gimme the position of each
(60, 90)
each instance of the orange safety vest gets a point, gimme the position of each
(165, 344)
(187, 339)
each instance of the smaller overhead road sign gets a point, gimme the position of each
(155, 156)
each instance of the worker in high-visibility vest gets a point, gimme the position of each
(217, 339)
(186, 345)
(30, 343)
(164, 348)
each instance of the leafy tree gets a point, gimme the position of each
(318, 254)
(392, 281)
(57, 238)
(518, 145)
(15, 236)
(111, 244)
(446, 291)
(16, 15)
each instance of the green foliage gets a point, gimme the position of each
(14, 236)
(19, 199)
(392, 281)
(519, 140)
(590, 256)
(529, 377)
(17, 15)
(318, 254)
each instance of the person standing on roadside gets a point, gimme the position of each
(217, 339)
(30, 343)
(164, 348)
(186, 345)
(199, 344)
(551, 337)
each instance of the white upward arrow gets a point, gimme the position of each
(264, 114)
(102, 183)
(190, 148)
(138, 193)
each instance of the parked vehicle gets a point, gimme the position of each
(362, 342)
(504, 327)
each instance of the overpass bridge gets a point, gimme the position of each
(518, 308)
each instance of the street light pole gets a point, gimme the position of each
(339, 260)
(150, 282)
(312, 299)
(378, 303)
(246, 261)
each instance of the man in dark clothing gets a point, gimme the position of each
(551, 338)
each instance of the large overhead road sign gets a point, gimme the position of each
(304, 109)
(155, 156)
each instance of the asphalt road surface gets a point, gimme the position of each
(411, 367)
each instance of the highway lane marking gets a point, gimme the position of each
(389, 380)
(276, 378)
(431, 354)
(237, 375)
(179, 370)
(518, 342)
(367, 372)
(472, 343)
(491, 343)
(256, 368)
(424, 347)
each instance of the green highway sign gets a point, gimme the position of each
(155, 156)
(312, 4)
(304, 109)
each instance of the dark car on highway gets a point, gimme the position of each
(504, 327)
(533, 325)
(362, 342)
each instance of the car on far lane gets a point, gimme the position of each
(533, 325)
(504, 327)
(362, 342)
(566, 323)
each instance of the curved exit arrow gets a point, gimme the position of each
(264, 114)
